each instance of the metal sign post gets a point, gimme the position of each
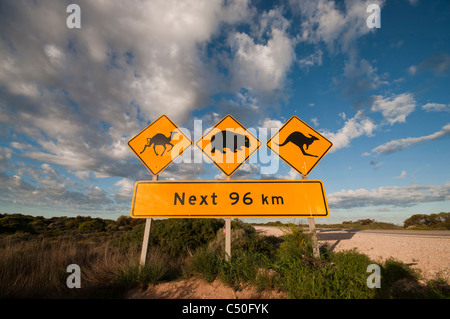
(145, 240)
(312, 230)
(228, 235)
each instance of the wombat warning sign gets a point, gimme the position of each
(228, 145)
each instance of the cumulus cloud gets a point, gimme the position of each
(338, 27)
(262, 67)
(354, 127)
(400, 144)
(394, 109)
(45, 187)
(80, 94)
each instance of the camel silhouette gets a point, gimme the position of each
(300, 141)
(159, 139)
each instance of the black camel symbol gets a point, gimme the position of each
(159, 139)
(300, 140)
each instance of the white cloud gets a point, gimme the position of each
(261, 67)
(400, 144)
(125, 191)
(401, 176)
(46, 187)
(315, 121)
(336, 26)
(89, 90)
(402, 196)
(271, 123)
(394, 109)
(436, 107)
(354, 127)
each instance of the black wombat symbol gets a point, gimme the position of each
(300, 141)
(227, 139)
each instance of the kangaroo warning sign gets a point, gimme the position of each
(229, 199)
(159, 144)
(299, 145)
(228, 145)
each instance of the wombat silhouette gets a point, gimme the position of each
(159, 139)
(300, 141)
(227, 139)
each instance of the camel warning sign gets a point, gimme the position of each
(228, 145)
(159, 144)
(299, 145)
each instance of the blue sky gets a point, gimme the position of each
(70, 99)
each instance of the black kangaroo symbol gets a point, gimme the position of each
(300, 140)
(159, 139)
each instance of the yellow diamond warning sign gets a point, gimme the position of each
(299, 145)
(228, 145)
(159, 144)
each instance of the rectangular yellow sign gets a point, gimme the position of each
(229, 199)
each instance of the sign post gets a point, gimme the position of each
(228, 234)
(312, 231)
(148, 226)
(157, 146)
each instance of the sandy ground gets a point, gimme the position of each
(431, 255)
(196, 288)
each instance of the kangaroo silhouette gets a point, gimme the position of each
(159, 139)
(300, 141)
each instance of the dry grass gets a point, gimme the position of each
(36, 267)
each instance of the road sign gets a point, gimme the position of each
(229, 199)
(159, 144)
(228, 145)
(299, 145)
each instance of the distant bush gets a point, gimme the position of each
(432, 221)
(92, 226)
(16, 223)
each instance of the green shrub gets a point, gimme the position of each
(16, 223)
(130, 239)
(295, 245)
(178, 236)
(432, 221)
(242, 268)
(206, 263)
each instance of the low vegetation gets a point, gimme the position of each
(439, 221)
(35, 253)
